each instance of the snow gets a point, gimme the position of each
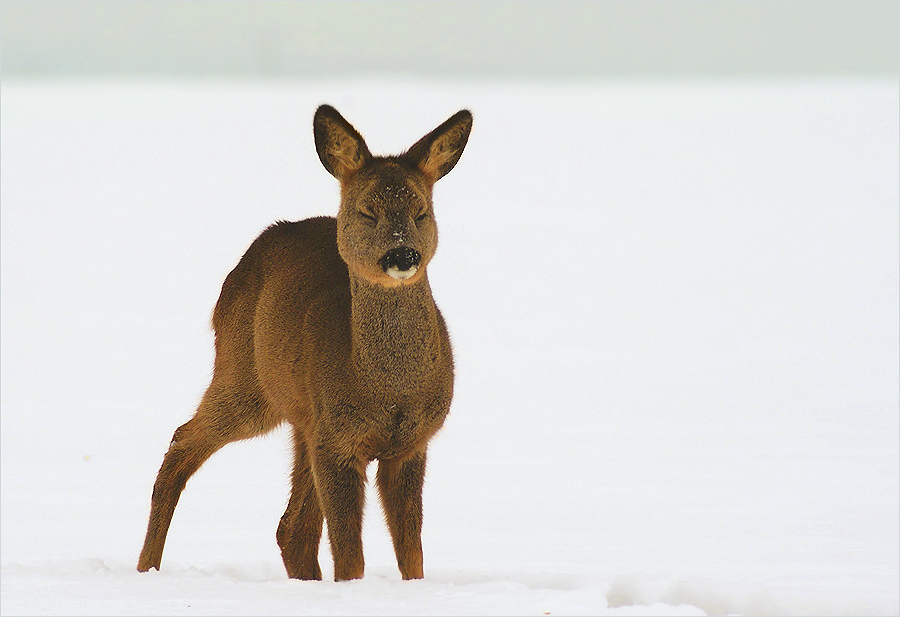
(674, 307)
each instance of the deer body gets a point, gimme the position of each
(329, 324)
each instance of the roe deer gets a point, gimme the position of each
(329, 324)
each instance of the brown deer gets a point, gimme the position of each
(329, 324)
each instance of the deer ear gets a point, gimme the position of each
(341, 148)
(437, 153)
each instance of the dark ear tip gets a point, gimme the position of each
(463, 114)
(462, 118)
(326, 111)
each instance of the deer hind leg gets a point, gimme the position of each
(222, 417)
(400, 489)
(300, 528)
(341, 487)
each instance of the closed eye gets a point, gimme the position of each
(367, 216)
(421, 217)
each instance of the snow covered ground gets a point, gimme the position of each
(675, 314)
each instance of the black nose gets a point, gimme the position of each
(402, 259)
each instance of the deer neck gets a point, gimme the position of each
(395, 333)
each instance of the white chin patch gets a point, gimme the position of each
(401, 275)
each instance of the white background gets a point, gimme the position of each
(674, 311)
(668, 261)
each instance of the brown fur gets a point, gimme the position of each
(311, 329)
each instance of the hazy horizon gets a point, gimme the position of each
(463, 38)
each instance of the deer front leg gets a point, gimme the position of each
(341, 488)
(400, 488)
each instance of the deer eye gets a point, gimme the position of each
(421, 217)
(368, 216)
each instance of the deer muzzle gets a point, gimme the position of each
(400, 263)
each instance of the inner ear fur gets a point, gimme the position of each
(437, 153)
(341, 148)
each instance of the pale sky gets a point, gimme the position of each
(440, 37)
